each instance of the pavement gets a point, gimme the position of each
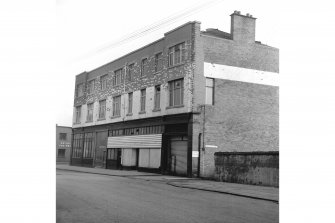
(243, 190)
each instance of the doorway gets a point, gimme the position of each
(113, 160)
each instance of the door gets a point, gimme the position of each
(101, 145)
(113, 160)
(178, 155)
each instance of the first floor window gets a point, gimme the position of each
(143, 95)
(130, 72)
(144, 67)
(90, 87)
(209, 91)
(102, 109)
(61, 153)
(157, 97)
(89, 117)
(118, 77)
(103, 82)
(130, 103)
(78, 114)
(117, 106)
(176, 92)
(158, 62)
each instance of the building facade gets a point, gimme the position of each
(170, 105)
(63, 144)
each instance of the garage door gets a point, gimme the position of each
(178, 155)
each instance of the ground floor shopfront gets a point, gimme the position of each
(161, 144)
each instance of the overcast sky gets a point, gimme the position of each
(84, 26)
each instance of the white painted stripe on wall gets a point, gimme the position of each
(241, 74)
(135, 141)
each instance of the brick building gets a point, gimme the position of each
(170, 105)
(63, 143)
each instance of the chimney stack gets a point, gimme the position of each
(243, 27)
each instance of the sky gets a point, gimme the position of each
(84, 26)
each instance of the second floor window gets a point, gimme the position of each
(130, 72)
(102, 109)
(158, 62)
(176, 92)
(144, 67)
(103, 82)
(143, 95)
(118, 77)
(90, 87)
(80, 90)
(177, 54)
(78, 114)
(89, 117)
(117, 106)
(130, 103)
(157, 97)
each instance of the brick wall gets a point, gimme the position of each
(186, 70)
(258, 168)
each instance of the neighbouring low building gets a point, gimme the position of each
(170, 105)
(63, 144)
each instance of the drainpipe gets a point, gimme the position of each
(203, 139)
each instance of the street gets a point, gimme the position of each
(84, 197)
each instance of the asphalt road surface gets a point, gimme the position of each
(91, 198)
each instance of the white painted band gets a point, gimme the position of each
(210, 146)
(241, 74)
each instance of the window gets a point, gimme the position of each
(209, 91)
(157, 97)
(62, 136)
(158, 62)
(130, 103)
(144, 67)
(143, 94)
(78, 114)
(61, 153)
(103, 82)
(118, 77)
(130, 72)
(80, 90)
(177, 54)
(90, 87)
(89, 117)
(77, 145)
(116, 106)
(88, 145)
(102, 109)
(176, 92)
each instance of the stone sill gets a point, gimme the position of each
(176, 106)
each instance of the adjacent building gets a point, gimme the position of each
(63, 144)
(170, 105)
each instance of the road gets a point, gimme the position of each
(91, 198)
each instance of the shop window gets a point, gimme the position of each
(88, 145)
(77, 145)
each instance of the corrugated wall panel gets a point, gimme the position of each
(135, 141)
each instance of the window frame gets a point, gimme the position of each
(116, 106)
(212, 90)
(157, 98)
(130, 72)
(89, 117)
(90, 86)
(100, 109)
(158, 61)
(78, 114)
(143, 99)
(80, 90)
(103, 82)
(177, 51)
(61, 138)
(130, 102)
(58, 155)
(173, 93)
(118, 77)
(144, 67)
